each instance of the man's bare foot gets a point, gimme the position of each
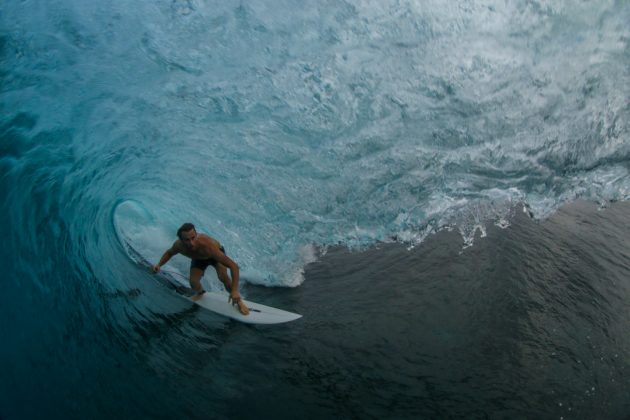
(242, 308)
(198, 296)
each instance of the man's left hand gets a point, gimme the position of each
(236, 299)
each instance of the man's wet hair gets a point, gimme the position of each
(184, 228)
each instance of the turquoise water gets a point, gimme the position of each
(283, 129)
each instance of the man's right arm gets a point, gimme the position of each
(167, 256)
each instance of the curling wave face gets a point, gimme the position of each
(343, 123)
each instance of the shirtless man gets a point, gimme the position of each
(204, 251)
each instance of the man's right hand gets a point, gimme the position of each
(156, 268)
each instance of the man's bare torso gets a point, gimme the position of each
(204, 248)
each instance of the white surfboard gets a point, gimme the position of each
(258, 314)
(218, 302)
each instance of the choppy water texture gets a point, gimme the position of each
(286, 129)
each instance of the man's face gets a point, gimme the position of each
(189, 238)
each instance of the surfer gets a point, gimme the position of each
(204, 251)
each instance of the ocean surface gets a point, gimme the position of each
(440, 188)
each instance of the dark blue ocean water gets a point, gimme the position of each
(395, 171)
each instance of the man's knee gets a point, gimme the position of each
(224, 277)
(221, 272)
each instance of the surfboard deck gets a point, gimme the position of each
(258, 314)
(215, 301)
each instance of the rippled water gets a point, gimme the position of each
(282, 129)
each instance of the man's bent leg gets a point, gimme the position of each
(227, 282)
(223, 276)
(195, 282)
